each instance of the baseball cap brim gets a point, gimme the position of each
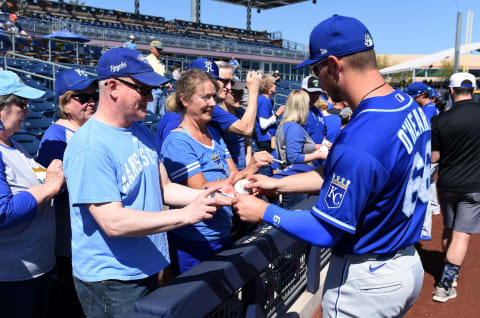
(307, 62)
(314, 90)
(83, 84)
(28, 92)
(150, 78)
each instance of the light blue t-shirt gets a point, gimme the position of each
(108, 164)
(130, 45)
(185, 157)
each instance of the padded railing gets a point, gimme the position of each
(259, 276)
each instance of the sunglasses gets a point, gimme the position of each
(85, 97)
(226, 81)
(314, 69)
(145, 91)
(23, 105)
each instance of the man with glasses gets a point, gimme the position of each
(373, 187)
(116, 185)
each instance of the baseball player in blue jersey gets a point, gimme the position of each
(422, 94)
(373, 188)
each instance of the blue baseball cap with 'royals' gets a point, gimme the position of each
(416, 89)
(206, 65)
(124, 62)
(72, 80)
(337, 36)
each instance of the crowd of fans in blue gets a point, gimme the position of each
(79, 221)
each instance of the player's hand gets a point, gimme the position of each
(253, 81)
(249, 208)
(203, 207)
(55, 178)
(261, 185)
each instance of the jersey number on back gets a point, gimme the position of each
(417, 187)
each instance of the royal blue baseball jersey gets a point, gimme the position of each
(430, 110)
(377, 176)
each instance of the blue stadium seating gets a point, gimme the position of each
(29, 141)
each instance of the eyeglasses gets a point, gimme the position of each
(314, 68)
(226, 81)
(145, 91)
(85, 97)
(23, 105)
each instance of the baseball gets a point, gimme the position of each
(240, 186)
(324, 148)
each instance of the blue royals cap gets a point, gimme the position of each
(10, 83)
(433, 92)
(337, 36)
(124, 62)
(72, 80)
(206, 65)
(416, 89)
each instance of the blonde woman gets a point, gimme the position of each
(195, 155)
(295, 149)
(293, 144)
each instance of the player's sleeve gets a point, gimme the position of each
(180, 158)
(92, 178)
(223, 118)
(435, 134)
(354, 179)
(303, 225)
(294, 140)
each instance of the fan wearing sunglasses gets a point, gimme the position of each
(77, 99)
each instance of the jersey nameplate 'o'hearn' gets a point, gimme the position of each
(415, 124)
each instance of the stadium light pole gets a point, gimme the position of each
(137, 7)
(249, 14)
(457, 42)
(195, 11)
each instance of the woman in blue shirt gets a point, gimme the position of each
(266, 121)
(27, 220)
(77, 99)
(194, 154)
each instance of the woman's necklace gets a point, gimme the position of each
(373, 90)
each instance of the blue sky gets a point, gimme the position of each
(397, 27)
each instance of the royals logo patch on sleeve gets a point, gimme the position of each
(336, 192)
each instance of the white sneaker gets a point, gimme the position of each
(442, 294)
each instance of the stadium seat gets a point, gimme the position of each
(29, 141)
(37, 126)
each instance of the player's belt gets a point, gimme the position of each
(374, 257)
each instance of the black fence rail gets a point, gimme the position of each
(259, 276)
